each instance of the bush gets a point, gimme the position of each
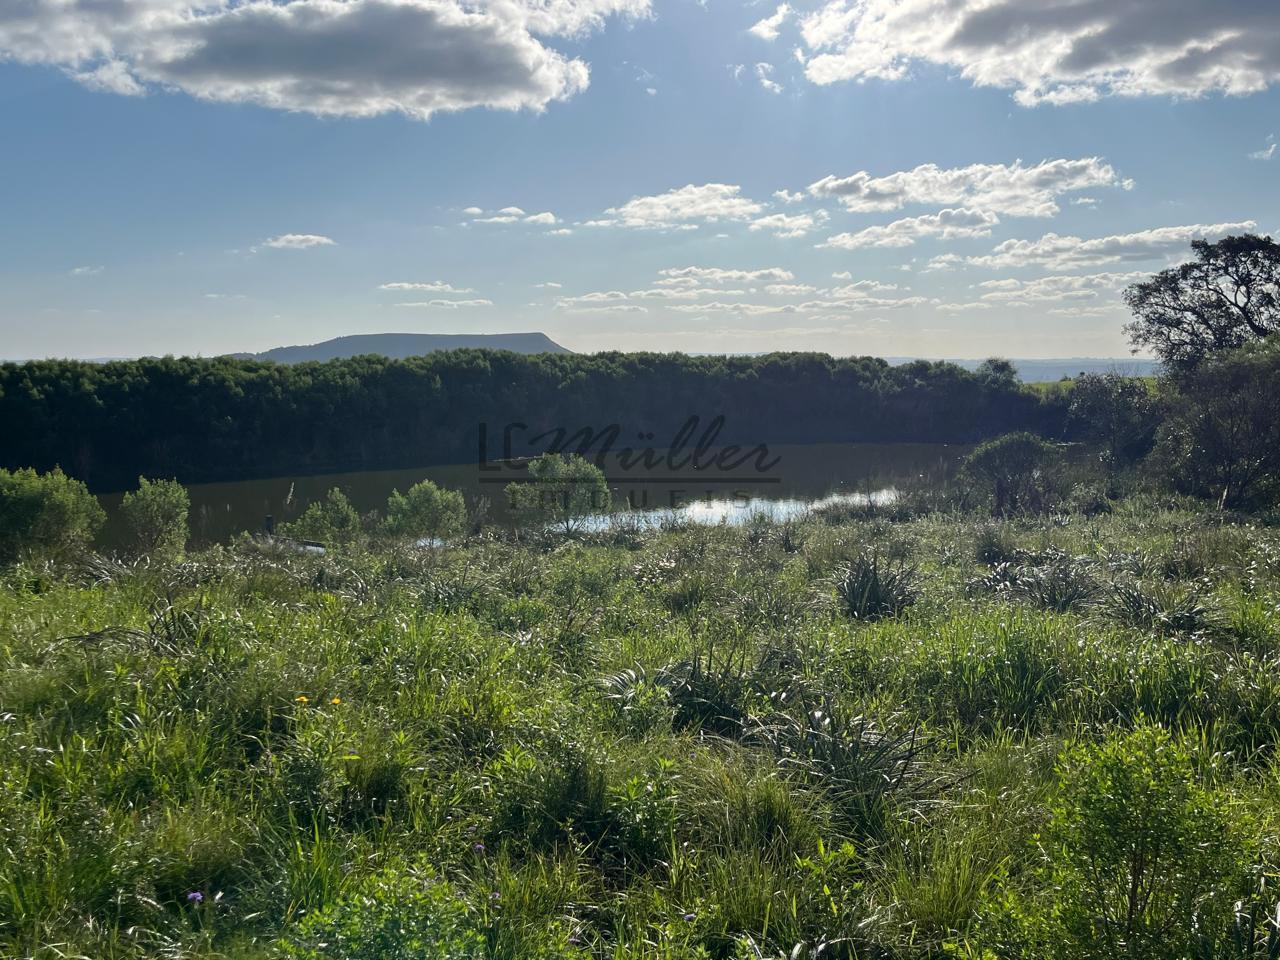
(397, 914)
(155, 519)
(1221, 440)
(1117, 413)
(331, 520)
(45, 514)
(426, 511)
(562, 491)
(1012, 471)
(1141, 856)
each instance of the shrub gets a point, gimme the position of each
(872, 590)
(155, 519)
(397, 914)
(331, 520)
(1012, 471)
(45, 514)
(1140, 854)
(425, 511)
(1221, 439)
(561, 490)
(1115, 412)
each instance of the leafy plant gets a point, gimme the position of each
(871, 589)
(155, 519)
(332, 520)
(562, 491)
(425, 511)
(1140, 854)
(45, 514)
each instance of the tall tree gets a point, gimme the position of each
(1225, 297)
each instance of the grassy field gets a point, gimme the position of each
(858, 736)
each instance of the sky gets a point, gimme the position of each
(933, 178)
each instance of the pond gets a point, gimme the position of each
(785, 483)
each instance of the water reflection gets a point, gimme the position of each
(735, 512)
(804, 478)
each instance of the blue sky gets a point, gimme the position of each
(955, 178)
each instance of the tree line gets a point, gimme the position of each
(200, 420)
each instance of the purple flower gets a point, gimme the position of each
(478, 847)
(195, 896)
(495, 895)
(691, 917)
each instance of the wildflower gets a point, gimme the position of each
(478, 847)
(336, 701)
(690, 917)
(301, 699)
(495, 895)
(196, 897)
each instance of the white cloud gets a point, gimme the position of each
(1068, 287)
(946, 224)
(696, 275)
(547, 217)
(433, 286)
(1049, 51)
(789, 289)
(861, 288)
(1267, 152)
(448, 304)
(1065, 252)
(682, 208)
(86, 271)
(764, 73)
(767, 29)
(472, 211)
(789, 225)
(788, 196)
(962, 307)
(548, 285)
(327, 57)
(1013, 189)
(297, 241)
(720, 306)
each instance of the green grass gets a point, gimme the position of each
(684, 743)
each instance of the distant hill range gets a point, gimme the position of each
(1040, 371)
(400, 345)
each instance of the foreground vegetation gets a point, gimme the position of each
(890, 735)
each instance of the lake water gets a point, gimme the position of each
(784, 483)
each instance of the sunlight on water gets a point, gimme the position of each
(734, 512)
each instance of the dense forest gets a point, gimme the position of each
(230, 419)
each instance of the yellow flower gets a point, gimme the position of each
(336, 700)
(301, 700)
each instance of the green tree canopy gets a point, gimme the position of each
(46, 514)
(561, 490)
(1221, 436)
(332, 520)
(1227, 295)
(155, 518)
(1120, 414)
(425, 510)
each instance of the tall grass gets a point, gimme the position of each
(833, 738)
